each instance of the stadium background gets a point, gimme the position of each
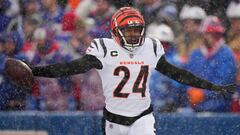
(72, 105)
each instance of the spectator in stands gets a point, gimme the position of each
(233, 39)
(84, 8)
(53, 93)
(213, 61)
(11, 96)
(169, 16)
(66, 30)
(91, 93)
(81, 39)
(149, 8)
(233, 35)
(52, 12)
(101, 15)
(166, 94)
(30, 24)
(30, 8)
(9, 10)
(190, 37)
(87, 90)
(166, 15)
(212, 7)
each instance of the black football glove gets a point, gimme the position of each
(225, 90)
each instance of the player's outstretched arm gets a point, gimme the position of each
(188, 78)
(77, 66)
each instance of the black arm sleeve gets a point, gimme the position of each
(181, 75)
(77, 66)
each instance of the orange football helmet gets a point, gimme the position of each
(128, 18)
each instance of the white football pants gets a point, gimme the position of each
(143, 126)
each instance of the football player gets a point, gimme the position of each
(124, 63)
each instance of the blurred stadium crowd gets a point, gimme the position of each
(200, 36)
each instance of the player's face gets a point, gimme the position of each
(132, 34)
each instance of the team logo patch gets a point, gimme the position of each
(114, 53)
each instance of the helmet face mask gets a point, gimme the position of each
(131, 37)
(128, 28)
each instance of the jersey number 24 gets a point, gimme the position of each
(139, 85)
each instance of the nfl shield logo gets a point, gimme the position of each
(111, 126)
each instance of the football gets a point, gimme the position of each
(19, 73)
